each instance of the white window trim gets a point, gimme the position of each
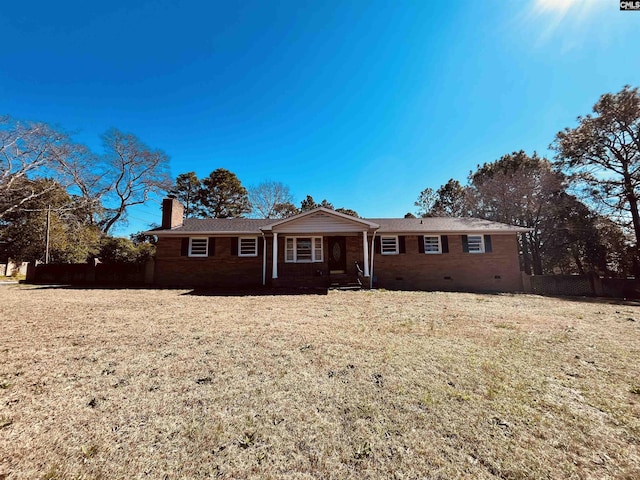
(397, 249)
(206, 248)
(313, 250)
(482, 249)
(439, 237)
(255, 246)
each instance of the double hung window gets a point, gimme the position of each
(303, 249)
(432, 244)
(476, 243)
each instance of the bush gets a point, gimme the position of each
(122, 250)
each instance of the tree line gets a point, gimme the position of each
(53, 188)
(581, 206)
(222, 195)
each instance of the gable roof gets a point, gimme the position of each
(340, 222)
(326, 216)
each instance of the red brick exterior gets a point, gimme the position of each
(313, 274)
(220, 270)
(497, 270)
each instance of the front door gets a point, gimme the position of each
(337, 254)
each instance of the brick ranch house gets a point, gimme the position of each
(321, 247)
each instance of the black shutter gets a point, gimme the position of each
(444, 240)
(377, 245)
(260, 245)
(184, 247)
(420, 243)
(487, 244)
(465, 244)
(234, 246)
(212, 246)
(401, 244)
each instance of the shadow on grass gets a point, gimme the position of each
(253, 292)
(630, 302)
(198, 291)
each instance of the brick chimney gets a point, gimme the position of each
(172, 213)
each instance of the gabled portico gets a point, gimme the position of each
(320, 243)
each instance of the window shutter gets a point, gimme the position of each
(212, 246)
(487, 244)
(421, 243)
(260, 245)
(377, 245)
(234, 246)
(401, 244)
(465, 244)
(444, 241)
(184, 247)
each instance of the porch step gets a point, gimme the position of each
(344, 282)
(348, 286)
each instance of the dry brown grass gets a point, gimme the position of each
(163, 384)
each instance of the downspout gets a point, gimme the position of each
(373, 251)
(264, 259)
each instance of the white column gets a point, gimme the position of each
(365, 248)
(264, 260)
(274, 273)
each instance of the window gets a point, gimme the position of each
(476, 243)
(432, 244)
(389, 245)
(198, 247)
(248, 246)
(303, 249)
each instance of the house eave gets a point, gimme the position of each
(454, 232)
(364, 223)
(209, 233)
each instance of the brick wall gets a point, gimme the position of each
(498, 270)
(220, 270)
(495, 271)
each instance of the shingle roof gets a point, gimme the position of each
(220, 225)
(387, 225)
(443, 225)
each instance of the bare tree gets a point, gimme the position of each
(135, 173)
(29, 151)
(523, 190)
(267, 196)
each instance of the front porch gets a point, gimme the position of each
(321, 249)
(342, 265)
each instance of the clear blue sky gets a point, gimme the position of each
(364, 103)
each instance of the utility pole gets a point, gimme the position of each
(46, 248)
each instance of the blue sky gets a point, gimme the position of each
(364, 103)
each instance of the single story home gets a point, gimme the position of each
(322, 247)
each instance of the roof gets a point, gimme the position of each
(218, 225)
(444, 225)
(253, 226)
(327, 212)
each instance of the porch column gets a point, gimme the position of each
(275, 256)
(365, 248)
